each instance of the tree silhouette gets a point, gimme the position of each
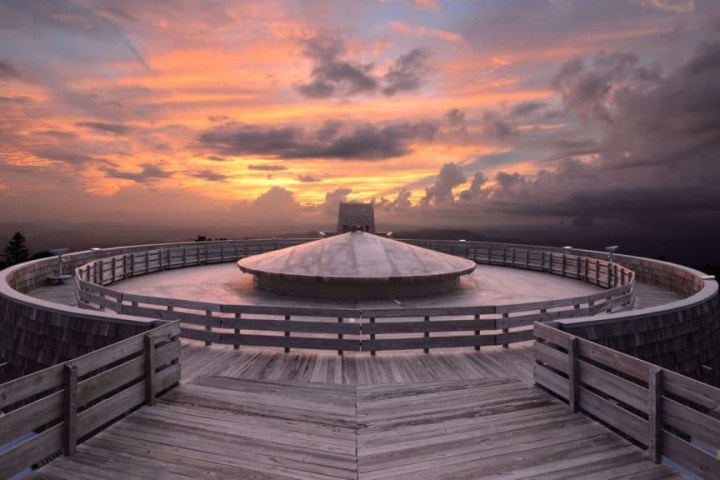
(16, 251)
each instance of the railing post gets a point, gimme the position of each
(132, 264)
(506, 329)
(340, 336)
(564, 264)
(573, 374)
(112, 266)
(236, 345)
(70, 413)
(372, 337)
(208, 328)
(477, 332)
(577, 268)
(597, 272)
(149, 370)
(287, 335)
(426, 335)
(655, 414)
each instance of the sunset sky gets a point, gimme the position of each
(592, 114)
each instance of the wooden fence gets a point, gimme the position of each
(348, 329)
(673, 416)
(50, 411)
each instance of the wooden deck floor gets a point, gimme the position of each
(260, 414)
(220, 427)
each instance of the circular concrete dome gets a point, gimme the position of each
(356, 265)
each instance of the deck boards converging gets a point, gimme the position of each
(456, 415)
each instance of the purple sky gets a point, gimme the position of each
(596, 115)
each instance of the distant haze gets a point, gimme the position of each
(547, 121)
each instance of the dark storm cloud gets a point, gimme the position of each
(8, 71)
(497, 126)
(527, 108)
(587, 91)
(267, 167)
(451, 175)
(645, 160)
(308, 179)
(209, 175)
(17, 99)
(148, 174)
(111, 128)
(351, 142)
(67, 156)
(333, 75)
(475, 191)
(406, 73)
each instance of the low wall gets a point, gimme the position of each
(35, 334)
(683, 336)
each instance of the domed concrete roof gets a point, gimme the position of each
(381, 266)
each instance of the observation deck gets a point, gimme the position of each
(506, 390)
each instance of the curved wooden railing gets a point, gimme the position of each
(673, 416)
(348, 329)
(54, 409)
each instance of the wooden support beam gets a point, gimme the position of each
(208, 328)
(149, 344)
(573, 374)
(340, 336)
(427, 336)
(477, 333)
(236, 346)
(372, 336)
(70, 413)
(505, 331)
(655, 414)
(287, 333)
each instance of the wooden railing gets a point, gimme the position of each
(50, 411)
(346, 329)
(673, 416)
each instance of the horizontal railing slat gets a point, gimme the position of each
(551, 357)
(622, 390)
(551, 381)
(615, 416)
(619, 361)
(28, 386)
(691, 422)
(690, 457)
(31, 416)
(420, 326)
(329, 327)
(697, 392)
(31, 451)
(428, 342)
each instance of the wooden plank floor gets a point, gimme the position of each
(222, 427)
(306, 366)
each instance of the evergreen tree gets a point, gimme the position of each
(16, 251)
